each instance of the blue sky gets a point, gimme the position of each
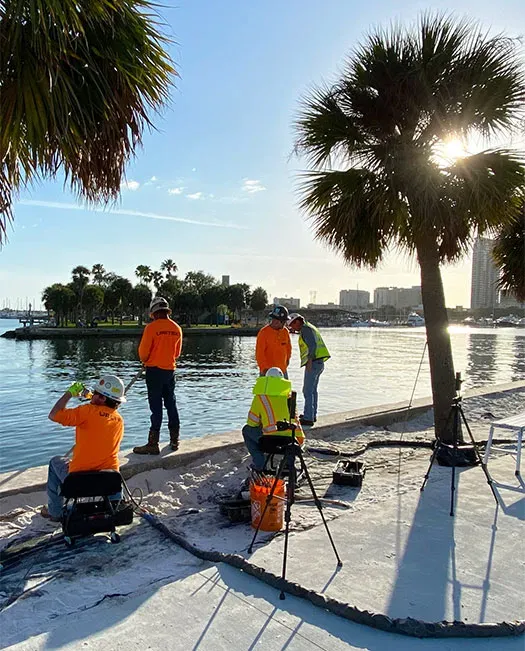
(215, 186)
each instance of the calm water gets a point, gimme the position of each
(216, 374)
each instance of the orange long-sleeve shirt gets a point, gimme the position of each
(161, 344)
(273, 348)
(99, 431)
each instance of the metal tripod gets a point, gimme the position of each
(457, 415)
(291, 452)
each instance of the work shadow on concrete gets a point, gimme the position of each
(427, 585)
(508, 499)
(295, 623)
(64, 583)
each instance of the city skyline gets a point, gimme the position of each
(215, 186)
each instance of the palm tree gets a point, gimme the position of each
(79, 82)
(99, 273)
(377, 182)
(157, 279)
(143, 273)
(168, 266)
(509, 253)
(80, 277)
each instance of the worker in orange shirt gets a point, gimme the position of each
(273, 347)
(159, 348)
(99, 431)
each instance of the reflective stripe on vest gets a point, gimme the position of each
(274, 409)
(321, 351)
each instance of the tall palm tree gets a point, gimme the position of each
(377, 182)
(509, 253)
(143, 273)
(79, 82)
(98, 272)
(157, 279)
(80, 276)
(169, 267)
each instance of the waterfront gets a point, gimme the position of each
(216, 374)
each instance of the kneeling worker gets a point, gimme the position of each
(98, 434)
(270, 405)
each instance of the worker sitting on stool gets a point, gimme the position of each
(99, 431)
(270, 406)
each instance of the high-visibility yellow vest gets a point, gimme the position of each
(270, 405)
(321, 351)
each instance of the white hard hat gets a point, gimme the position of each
(158, 303)
(112, 387)
(274, 372)
(293, 316)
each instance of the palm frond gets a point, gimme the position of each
(78, 83)
(353, 212)
(324, 130)
(509, 252)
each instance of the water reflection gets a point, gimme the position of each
(481, 359)
(518, 358)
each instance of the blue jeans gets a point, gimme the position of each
(161, 388)
(310, 384)
(252, 436)
(57, 472)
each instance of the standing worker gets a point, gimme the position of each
(159, 349)
(314, 353)
(98, 434)
(273, 346)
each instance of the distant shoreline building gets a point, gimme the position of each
(356, 298)
(288, 302)
(398, 297)
(484, 284)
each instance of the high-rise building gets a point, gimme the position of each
(354, 298)
(483, 288)
(398, 297)
(225, 281)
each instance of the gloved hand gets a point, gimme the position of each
(76, 389)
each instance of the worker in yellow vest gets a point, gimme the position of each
(269, 407)
(314, 354)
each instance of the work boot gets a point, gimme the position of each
(174, 439)
(151, 447)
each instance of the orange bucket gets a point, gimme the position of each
(273, 518)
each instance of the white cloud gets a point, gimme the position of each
(175, 190)
(153, 178)
(252, 186)
(131, 213)
(193, 169)
(194, 196)
(131, 185)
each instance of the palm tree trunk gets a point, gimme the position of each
(438, 339)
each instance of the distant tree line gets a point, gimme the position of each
(96, 293)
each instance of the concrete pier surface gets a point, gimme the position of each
(403, 555)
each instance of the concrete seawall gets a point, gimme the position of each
(34, 479)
